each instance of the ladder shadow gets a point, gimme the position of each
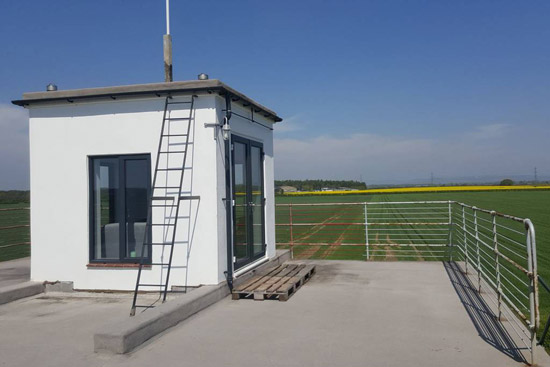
(489, 328)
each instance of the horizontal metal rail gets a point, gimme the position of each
(497, 248)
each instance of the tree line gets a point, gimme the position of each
(14, 196)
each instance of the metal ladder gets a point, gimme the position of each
(161, 196)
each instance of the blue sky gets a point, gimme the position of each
(389, 91)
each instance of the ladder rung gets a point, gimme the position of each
(143, 306)
(163, 264)
(162, 198)
(157, 244)
(151, 285)
(163, 224)
(196, 197)
(174, 135)
(177, 118)
(175, 152)
(186, 102)
(166, 187)
(169, 169)
(163, 206)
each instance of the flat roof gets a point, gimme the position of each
(135, 90)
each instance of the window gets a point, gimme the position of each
(119, 191)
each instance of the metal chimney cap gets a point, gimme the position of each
(203, 76)
(51, 87)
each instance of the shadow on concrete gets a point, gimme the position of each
(484, 319)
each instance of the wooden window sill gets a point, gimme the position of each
(116, 265)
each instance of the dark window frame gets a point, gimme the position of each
(122, 202)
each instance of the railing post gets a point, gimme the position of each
(533, 291)
(478, 257)
(366, 233)
(291, 234)
(465, 238)
(450, 233)
(497, 265)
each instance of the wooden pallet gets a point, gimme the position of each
(279, 282)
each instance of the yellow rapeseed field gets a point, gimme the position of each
(421, 189)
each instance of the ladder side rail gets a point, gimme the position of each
(148, 226)
(178, 198)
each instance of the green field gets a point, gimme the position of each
(534, 205)
(15, 235)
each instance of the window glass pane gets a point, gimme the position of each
(106, 208)
(136, 174)
(239, 168)
(257, 206)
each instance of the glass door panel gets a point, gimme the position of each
(257, 202)
(107, 202)
(248, 210)
(136, 194)
(240, 244)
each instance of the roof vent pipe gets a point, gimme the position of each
(51, 87)
(203, 76)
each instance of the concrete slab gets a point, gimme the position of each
(129, 332)
(125, 335)
(348, 314)
(20, 290)
(56, 329)
(15, 271)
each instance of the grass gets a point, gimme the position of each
(534, 205)
(15, 235)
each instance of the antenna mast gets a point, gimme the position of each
(167, 43)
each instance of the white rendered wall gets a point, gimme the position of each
(62, 137)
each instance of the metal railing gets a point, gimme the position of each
(498, 249)
(375, 230)
(10, 228)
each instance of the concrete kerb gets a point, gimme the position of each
(126, 335)
(21, 290)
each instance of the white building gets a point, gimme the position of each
(93, 154)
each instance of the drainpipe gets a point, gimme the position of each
(228, 196)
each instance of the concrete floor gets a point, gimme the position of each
(15, 271)
(348, 314)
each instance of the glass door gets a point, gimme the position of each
(248, 195)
